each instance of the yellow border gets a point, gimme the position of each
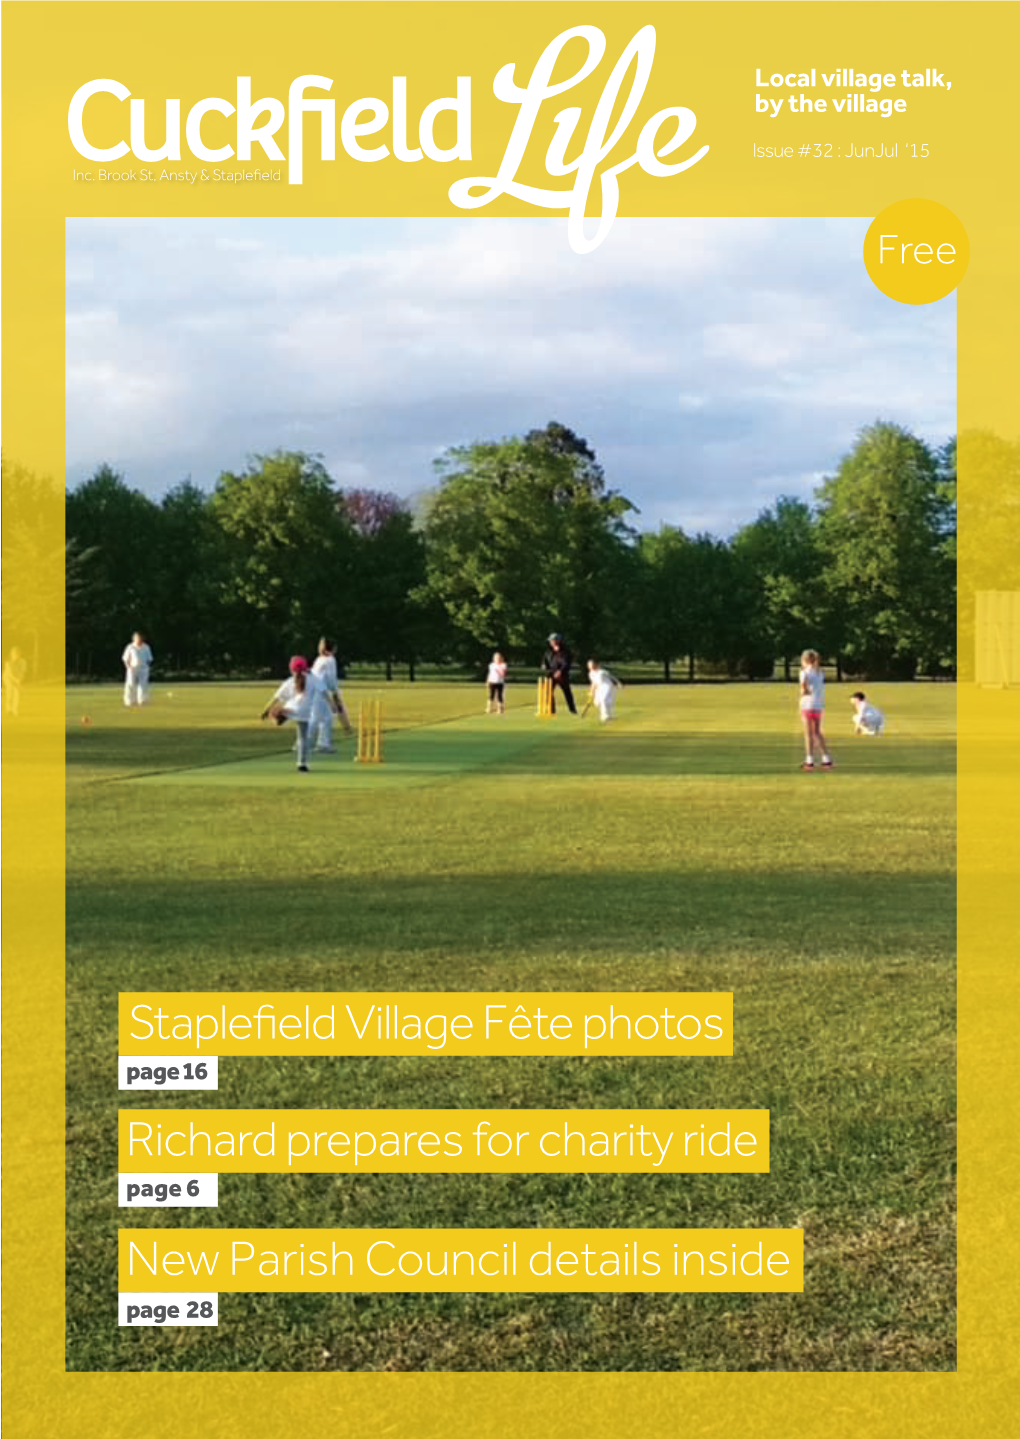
(973, 174)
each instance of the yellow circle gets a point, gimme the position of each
(916, 251)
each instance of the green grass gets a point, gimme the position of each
(680, 848)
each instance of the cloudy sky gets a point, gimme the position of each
(713, 364)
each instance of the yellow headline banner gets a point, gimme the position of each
(426, 1023)
(424, 1261)
(445, 1141)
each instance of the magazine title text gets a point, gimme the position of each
(609, 148)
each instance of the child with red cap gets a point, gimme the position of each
(295, 700)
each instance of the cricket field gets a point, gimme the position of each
(679, 848)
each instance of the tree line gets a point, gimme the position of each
(518, 536)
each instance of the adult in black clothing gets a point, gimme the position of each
(556, 663)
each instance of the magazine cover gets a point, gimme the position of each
(511, 639)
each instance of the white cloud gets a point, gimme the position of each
(704, 359)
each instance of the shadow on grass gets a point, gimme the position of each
(484, 921)
(145, 750)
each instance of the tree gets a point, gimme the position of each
(780, 555)
(192, 577)
(119, 529)
(390, 568)
(523, 536)
(369, 512)
(557, 439)
(989, 557)
(31, 569)
(695, 600)
(882, 522)
(721, 608)
(288, 554)
(663, 624)
(80, 595)
(940, 654)
(520, 536)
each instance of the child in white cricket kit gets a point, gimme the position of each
(327, 701)
(603, 687)
(295, 700)
(812, 707)
(137, 661)
(867, 719)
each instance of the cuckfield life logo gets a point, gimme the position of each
(373, 130)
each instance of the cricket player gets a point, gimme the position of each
(326, 698)
(137, 660)
(556, 663)
(602, 688)
(495, 681)
(296, 700)
(867, 719)
(811, 682)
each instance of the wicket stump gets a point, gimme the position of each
(369, 733)
(544, 709)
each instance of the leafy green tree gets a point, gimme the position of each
(80, 591)
(119, 529)
(663, 623)
(289, 555)
(939, 656)
(390, 569)
(557, 439)
(721, 613)
(696, 602)
(523, 536)
(192, 577)
(780, 555)
(882, 529)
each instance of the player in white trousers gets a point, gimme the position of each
(603, 687)
(295, 700)
(327, 699)
(137, 660)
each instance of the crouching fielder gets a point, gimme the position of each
(867, 719)
(602, 690)
(295, 700)
(137, 659)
